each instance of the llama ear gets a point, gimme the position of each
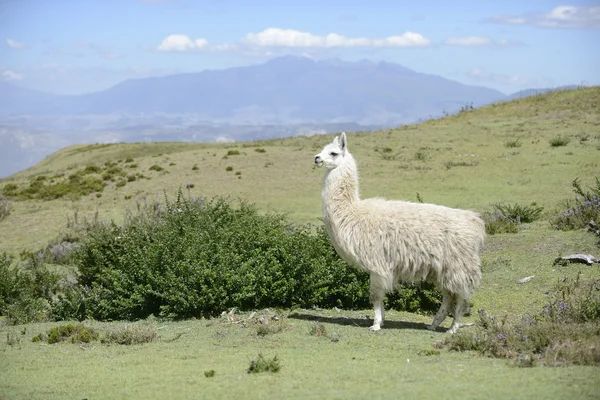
(344, 142)
(336, 141)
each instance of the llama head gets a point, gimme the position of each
(333, 154)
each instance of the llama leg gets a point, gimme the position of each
(447, 300)
(459, 309)
(376, 297)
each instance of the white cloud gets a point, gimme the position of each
(182, 43)
(11, 76)
(559, 17)
(275, 37)
(13, 44)
(481, 41)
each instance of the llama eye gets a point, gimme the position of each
(333, 154)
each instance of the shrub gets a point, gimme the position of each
(229, 169)
(260, 150)
(451, 164)
(193, 258)
(10, 189)
(387, 153)
(129, 334)
(75, 186)
(559, 141)
(497, 222)
(26, 291)
(507, 218)
(90, 169)
(107, 176)
(519, 213)
(421, 155)
(129, 160)
(156, 168)
(233, 153)
(116, 171)
(195, 167)
(584, 208)
(566, 331)
(56, 253)
(76, 333)
(262, 364)
(513, 143)
(5, 207)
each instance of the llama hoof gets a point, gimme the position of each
(453, 329)
(375, 327)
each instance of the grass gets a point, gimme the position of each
(291, 185)
(402, 357)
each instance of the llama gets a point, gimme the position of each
(400, 241)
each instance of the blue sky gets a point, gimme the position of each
(78, 46)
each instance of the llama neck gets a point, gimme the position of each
(340, 187)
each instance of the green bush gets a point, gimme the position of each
(129, 334)
(10, 189)
(579, 212)
(566, 331)
(513, 143)
(496, 222)
(519, 213)
(5, 207)
(507, 218)
(76, 185)
(191, 259)
(156, 168)
(559, 141)
(76, 333)
(26, 291)
(261, 364)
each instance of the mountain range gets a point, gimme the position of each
(281, 91)
(285, 96)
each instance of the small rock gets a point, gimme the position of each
(526, 279)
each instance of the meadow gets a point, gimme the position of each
(527, 152)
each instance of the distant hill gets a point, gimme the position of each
(18, 100)
(284, 90)
(533, 92)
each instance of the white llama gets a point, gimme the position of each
(399, 241)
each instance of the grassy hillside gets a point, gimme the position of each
(461, 161)
(524, 151)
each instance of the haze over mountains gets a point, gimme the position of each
(285, 96)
